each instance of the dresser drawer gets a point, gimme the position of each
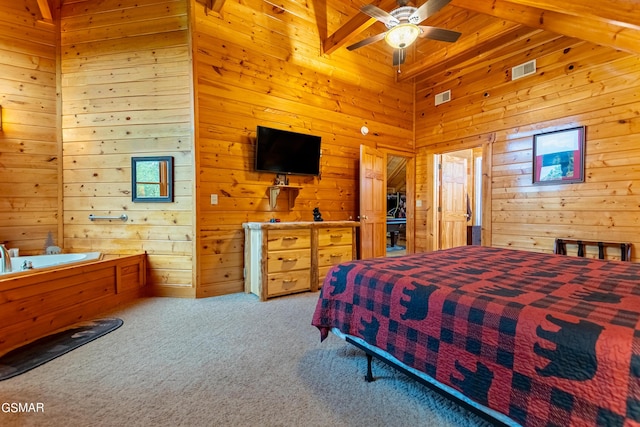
(288, 239)
(284, 283)
(288, 260)
(334, 255)
(334, 236)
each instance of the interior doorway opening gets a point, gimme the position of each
(396, 205)
(458, 196)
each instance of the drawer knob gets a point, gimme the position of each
(336, 236)
(287, 281)
(290, 259)
(335, 255)
(290, 238)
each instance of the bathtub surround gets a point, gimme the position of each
(45, 349)
(43, 300)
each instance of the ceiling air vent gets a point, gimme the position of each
(443, 97)
(523, 70)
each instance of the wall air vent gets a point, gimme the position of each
(443, 97)
(523, 70)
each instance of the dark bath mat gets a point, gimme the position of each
(43, 350)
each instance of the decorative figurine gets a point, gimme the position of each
(317, 216)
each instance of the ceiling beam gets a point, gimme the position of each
(45, 10)
(623, 13)
(585, 27)
(214, 5)
(355, 26)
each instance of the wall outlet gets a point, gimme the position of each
(214, 199)
(418, 203)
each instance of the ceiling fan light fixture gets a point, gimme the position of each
(402, 35)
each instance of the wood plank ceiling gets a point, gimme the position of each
(489, 27)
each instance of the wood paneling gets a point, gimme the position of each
(127, 91)
(29, 152)
(262, 65)
(172, 77)
(576, 83)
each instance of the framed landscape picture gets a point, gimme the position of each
(558, 157)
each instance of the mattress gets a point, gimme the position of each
(542, 339)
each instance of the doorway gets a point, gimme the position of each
(459, 197)
(396, 205)
(374, 211)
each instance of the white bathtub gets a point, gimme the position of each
(41, 261)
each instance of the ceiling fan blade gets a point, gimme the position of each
(367, 41)
(399, 55)
(440, 34)
(426, 10)
(380, 15)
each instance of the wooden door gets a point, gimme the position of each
(453, 202)
(373, 203)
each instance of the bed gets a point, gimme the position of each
(523, 338)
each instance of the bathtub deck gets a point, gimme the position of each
(41, 301)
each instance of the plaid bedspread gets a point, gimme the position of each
(545, 339)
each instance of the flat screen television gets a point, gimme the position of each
(286, 152)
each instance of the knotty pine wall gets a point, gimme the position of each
(576, 84)
(161, 77)
(261, 64)
(127, 91)
(30, 157)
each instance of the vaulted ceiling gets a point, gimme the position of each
(490, 27)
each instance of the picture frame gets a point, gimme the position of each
(558, 156)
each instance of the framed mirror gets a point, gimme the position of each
(152, 179)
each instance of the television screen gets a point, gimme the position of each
(285, 152)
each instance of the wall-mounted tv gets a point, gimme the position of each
(286, 152)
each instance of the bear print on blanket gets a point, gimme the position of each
(474, 384)
(418, 303)
(564, 360)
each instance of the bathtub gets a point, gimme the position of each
(42, 261)
(64, 289)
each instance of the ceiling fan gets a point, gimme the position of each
(403, 28)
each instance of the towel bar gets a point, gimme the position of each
(122, 217)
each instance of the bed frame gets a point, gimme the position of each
(370, 378)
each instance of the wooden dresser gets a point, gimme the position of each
(286, 257)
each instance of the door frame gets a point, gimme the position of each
(410, 195)
(431, 230)
(440, 194)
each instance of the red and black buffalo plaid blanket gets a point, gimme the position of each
(544, 339)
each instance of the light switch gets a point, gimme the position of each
(214, 199)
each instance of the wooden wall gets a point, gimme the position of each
(29, 150)
(163, 77)
(151, 77)
(576, 84)
(261, 64)
(127, 91)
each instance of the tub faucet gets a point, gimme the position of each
(5, 267)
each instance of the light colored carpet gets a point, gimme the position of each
(223, 361)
